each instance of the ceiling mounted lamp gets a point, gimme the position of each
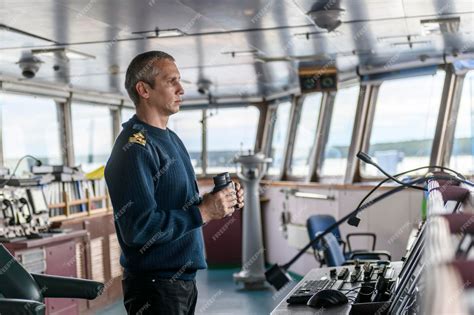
(62, 53)
(396, 38)
(328, 19)
(29, 64)
(319, 57)
(162, 33)
(241, 53)
(204, 86)
(313, 35)
(412, 43)
(449, 25)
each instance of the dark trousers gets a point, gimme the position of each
(149, 295)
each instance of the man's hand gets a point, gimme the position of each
(218, 205)
(240, 195)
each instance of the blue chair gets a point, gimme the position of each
(334, 256)
(320, 222)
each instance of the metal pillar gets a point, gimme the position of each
(253, 168)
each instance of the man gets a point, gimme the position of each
(152, 185)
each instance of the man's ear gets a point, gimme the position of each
(142, 89)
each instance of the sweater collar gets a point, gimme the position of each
(137, 124)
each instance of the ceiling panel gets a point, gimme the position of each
(437, 7)
(373, 32)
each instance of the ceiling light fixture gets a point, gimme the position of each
(171, 32)
(328, 19)
(241, 53)
(308, 35)
(439, 26)
(391, 39)
(68, 53)
(411, 43)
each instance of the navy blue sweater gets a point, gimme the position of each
(154, 194)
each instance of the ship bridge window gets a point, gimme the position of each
(404, 123)
(29, 126)
(462, 156)
(230, 131)
(307, 122)
(92, 135)
(340, 131)
(281, 120)
(187, 125)
(126, 114)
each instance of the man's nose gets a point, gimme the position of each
(180, 89)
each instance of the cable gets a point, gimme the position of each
(410, 171)
(277, 276)
(464, 181)
(368, 159)
(38, 163)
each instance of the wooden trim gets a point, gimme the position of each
(57, 205)
(78, 215)
(77, 202)
(99, 210)
(98, 198)
(68, 216)
(362, 186)
(72, 220)
(55, 238)
(66, 200)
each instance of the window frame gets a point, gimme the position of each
(57, 101)
(299, 102)
(203, 108)
(110, 108)
(270, 129)
(326, 118)
(452, 90)
(259, 113)
(450, 128)
(365, 133)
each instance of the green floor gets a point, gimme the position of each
(218, 294)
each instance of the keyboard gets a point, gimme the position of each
(308, 289)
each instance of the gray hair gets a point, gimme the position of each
(141, 69)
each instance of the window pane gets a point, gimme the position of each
(29, 126)
(127, 113)
(305, 134)
(340, 132)
(282, 120)
(92, 135)
(230, 131)
(187, 125)
(462, 158)
(405, 123)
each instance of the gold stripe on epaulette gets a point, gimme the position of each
(138, 137)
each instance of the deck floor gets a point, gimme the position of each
(218, 294)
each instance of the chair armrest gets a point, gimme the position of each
(21, 307)
(341, 242)
(349, 235)
(353, 262)
(66, 287)
(374, 253)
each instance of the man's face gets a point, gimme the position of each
(165, 95)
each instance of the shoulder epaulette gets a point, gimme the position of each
(139, 136)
